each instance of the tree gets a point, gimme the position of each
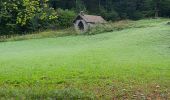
(132, 9)
(16, 15)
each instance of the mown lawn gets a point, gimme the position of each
(133, 63)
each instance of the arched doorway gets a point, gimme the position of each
(81, 26)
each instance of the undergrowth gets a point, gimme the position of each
(39, 35)
(117, 26)
(109, 27)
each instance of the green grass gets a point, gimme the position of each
(39, 35)
(131, 63)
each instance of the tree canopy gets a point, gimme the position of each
(21, 15)
(133, 9)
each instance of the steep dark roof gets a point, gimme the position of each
(91, 18)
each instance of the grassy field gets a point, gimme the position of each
(133, 63)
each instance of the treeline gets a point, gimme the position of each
(25, 16)
(117, 9)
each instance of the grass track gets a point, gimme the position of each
(110, 65)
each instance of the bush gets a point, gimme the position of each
(100, 28)
(168, 23)
(65, 18)
(109, 27)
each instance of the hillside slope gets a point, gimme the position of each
(112, 65)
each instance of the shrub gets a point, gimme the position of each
(168, 23)
(100, 28)
(65, 18)
(109, 27)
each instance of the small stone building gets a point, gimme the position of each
(83, 22)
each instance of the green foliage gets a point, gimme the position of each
(136, 15)
(109, 27)
(168, 23)
(101, 28)
(122, 9)
(118, 26)
(35, 35)
(109, 15)
(46, 19)
(17, 15)
(25, 16)
(80, 6)
(65, 18)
